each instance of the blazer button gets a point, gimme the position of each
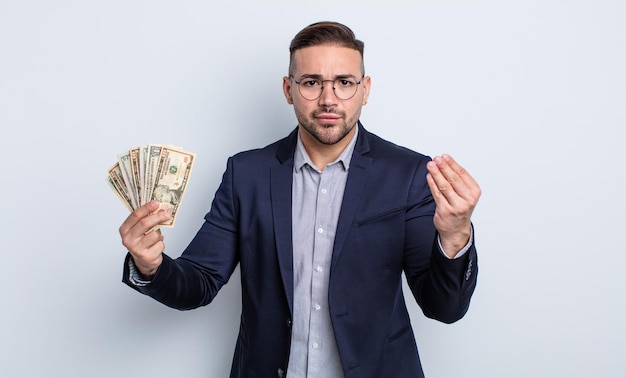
(281, 373)
(288, 323)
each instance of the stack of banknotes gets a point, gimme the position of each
(152, 172)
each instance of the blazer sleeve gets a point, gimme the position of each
(442, 287)
(194, 279)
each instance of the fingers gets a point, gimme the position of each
(143, 219)
(450, 182)
(456, 194)
(147, 250)
(137, 232)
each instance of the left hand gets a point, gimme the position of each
(456, 194)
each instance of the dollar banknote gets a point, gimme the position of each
(124, 165)
(116, 181)
(152, 172)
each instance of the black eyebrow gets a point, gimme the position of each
(310, 76)
(319, 77)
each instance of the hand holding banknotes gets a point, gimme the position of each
(150, 181)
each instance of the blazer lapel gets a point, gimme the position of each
(357, 178)
(281, 179)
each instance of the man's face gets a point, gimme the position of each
(327, 119)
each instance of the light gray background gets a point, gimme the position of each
(530, 96)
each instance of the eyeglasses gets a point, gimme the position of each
(311, 88)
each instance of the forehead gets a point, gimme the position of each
(327, 60)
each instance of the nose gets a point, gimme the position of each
(328, 96)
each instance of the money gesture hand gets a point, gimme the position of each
(456, 194)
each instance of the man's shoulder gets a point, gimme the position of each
(269, 153)
(380, 147)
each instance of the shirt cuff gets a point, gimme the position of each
(462, 251)
(135, 278)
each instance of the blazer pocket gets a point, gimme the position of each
(379, 239)
(380, 217)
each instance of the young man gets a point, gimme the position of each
(323, 223)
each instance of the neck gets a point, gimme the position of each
(323, 154)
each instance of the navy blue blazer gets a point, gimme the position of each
(385, 228)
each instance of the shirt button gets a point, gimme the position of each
(324, 190)
(317, 307)
(320, 230)
(319, 269)
(316, 345)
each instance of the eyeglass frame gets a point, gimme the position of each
(343, 77)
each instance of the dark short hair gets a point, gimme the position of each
(325, 33)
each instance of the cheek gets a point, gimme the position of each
(354, 111)
(301, 107)
(301, 113)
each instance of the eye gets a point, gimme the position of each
(310, 83)
(345, 82)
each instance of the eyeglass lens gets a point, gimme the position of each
(344, 88)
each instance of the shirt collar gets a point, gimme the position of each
(301, 158)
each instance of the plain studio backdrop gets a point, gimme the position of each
(530, 96)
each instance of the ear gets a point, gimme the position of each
(367, 83)
(287, 89)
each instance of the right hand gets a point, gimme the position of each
(145, 246)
